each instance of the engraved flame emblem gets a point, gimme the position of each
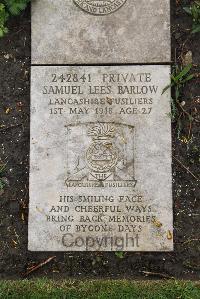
(102, 154)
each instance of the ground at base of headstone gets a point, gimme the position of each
(15, 260)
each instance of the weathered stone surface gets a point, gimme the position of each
(100, 166)
(137, 32)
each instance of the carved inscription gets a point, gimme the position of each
(100, 159)
(100, 7)
(107, 153)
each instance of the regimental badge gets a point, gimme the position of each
(100, 152)
(100, 7)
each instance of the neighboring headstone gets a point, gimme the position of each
(100, 175)
(100, 31)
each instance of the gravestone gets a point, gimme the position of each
(94, 32)
(100, 161)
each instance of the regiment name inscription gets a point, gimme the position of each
(100, 175)
(100, 7)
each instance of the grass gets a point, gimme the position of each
(2, 182)
(180, 76)
(101, 289)
(194, 11)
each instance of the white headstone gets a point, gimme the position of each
(100, 168)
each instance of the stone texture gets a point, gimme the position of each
(138, 32)
(100, 165)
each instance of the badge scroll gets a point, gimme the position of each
(100, 7)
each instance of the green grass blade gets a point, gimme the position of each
(183, 72)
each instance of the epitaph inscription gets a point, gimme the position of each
(100, 175)
(100, 7)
